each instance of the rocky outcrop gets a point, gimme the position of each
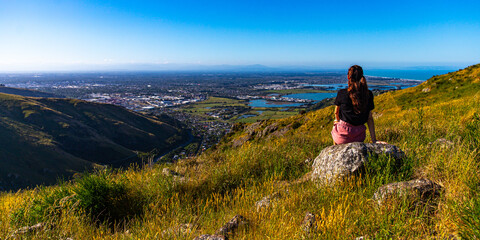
(342, 160)
(262, 129)
(418, 190)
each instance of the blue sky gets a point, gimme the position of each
(63, 35)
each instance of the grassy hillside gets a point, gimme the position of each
(42, 139)
(274, 158)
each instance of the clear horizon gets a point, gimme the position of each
(95, 35)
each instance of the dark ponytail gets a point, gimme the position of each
(358, 89)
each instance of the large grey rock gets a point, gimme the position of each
(345, 159)
(418, 190)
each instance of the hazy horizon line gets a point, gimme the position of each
(188, 67)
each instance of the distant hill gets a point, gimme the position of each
(27, 92)
(42, 139)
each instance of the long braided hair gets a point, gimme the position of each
(358, 89)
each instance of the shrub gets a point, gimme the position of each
(107, 201)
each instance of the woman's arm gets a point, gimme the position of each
(371, 127)
(337, 112)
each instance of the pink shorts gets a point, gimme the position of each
(344, 132)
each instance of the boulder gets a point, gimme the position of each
(419, 190)
(346, 159)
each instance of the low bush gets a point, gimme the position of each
(106, 200)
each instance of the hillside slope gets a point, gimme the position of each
(42, 139)
(268, 163)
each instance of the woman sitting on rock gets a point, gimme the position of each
(353, 109)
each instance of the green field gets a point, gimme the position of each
(266, 113)
(214, 103)
(295, 91)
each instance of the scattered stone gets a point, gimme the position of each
(24, 230)
(451, 237)
(346, 159)
(442, 143)
(231, 226)
(170, 173)
(226, 230)
(265, 202)
(309, 223)
(426, 90)
(210, 237)
(421, 190)
(179, 230)
(175, 175)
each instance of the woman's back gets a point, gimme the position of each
(353, 110)
(347, 111)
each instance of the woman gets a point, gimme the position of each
(353, 109)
